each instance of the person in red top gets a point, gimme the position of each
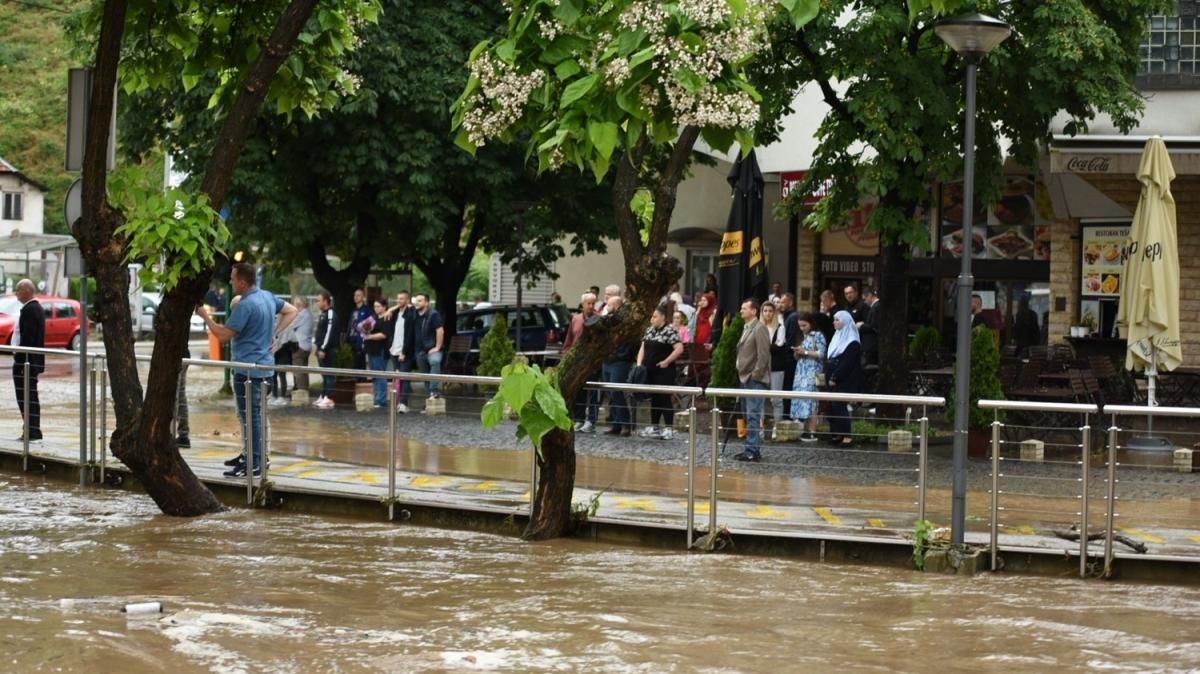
(587, 401)
(705, 308)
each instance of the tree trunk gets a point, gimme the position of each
(893, 331)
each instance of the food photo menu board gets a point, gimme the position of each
(1013, 228)
(1103, 259)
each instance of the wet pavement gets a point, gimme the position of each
(798, 490)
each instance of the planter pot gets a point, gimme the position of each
(979, 443)
(345, 388)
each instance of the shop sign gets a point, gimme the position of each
(789, 180)
(1096, 163)
(1103, 254)
(842, 265)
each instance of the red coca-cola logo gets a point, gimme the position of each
(1099, 164)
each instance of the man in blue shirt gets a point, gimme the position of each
(253, 328)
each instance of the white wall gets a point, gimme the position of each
(1168, 113)
(32, 206)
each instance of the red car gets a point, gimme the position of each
(62, 320)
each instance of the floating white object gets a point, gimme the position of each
(143, 608)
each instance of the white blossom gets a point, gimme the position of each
(502, 97)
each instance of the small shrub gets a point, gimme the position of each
(495, 349)
(985, 379)
(343, 358)
(724, 360)
(926, 341)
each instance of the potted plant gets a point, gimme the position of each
(344, 387)
(925, 343)
(724, 368)
(495, 349)
(985, 385)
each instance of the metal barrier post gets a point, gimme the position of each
(1112, 495)
(712, 486)
(533, 477)
(87, 371)
(391, 450)
(248, 389)
(266, 432)
(1086, 439)
(94, 373)
(923, 460)
(693, 422)
(28, 412)
(103, 417)
(995, 532)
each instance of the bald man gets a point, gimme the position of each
(30, 332)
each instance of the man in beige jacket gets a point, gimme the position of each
(754, 371)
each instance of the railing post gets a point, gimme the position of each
(391, 450)
(923, 460)
(266, 431)
(103, 417)
(712, 478)
(94, 374)
(995, 526)
(28, 412)
(1112, 495)
(248, 389)
(693, 422)
(1086, 440)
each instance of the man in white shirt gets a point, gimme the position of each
(403, 346)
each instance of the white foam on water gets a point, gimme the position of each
(608, 617)
(191, 630)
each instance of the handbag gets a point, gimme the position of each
(819, 379)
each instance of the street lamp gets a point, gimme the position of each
(972, 36)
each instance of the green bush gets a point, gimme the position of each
(985, 379)
(495, 349)
(924, 342)
(343, 358)
(724, 360)
(73, 289)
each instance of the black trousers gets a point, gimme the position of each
(35, 407)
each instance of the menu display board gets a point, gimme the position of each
(1013, 228)
(1103, 259)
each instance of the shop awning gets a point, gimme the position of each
(1118, 155)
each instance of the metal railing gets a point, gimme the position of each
(999, 406)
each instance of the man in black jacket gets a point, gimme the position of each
(869, 329)
(30, 332)
(403, 347)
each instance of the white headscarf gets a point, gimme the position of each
(847, 335)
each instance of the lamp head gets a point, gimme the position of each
(972, 35)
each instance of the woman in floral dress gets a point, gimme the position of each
(810, 361)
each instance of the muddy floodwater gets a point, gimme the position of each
(276, 592)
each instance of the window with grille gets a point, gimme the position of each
(1170, 51)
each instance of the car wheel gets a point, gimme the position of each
(75, 342)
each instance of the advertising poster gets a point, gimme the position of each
(1103, 259)
(1013, 228)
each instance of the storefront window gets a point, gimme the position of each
(1013, 228)
(1170, 54)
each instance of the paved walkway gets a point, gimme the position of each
(814, 515)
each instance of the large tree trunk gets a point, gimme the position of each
(893, 331)
(649, 272)
(142, 439)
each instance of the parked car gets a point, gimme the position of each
(542, 326)
(150, 302)
(62, 320)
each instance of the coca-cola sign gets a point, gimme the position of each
(1099, 163)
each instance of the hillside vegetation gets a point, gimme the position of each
(34, 57)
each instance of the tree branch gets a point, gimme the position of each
(668, 185)
(823, 79)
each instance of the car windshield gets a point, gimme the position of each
(10, 306)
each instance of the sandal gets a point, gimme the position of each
(846, 442)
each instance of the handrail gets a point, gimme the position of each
(1031, 405)
(6, 348)
(1146, 411)
(645, 388)
(831, 397)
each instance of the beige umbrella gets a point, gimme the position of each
(1148, 314)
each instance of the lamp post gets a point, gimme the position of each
(972, 36)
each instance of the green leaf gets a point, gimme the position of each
(536, 423)
(629, 40)
(689, 79)
(517, 388)
(463, 141)
(738, 7)
(492, 412)
(803, 11)
(600, 165)
(578, 89)
(604, 136)
(567, 69)
(568, 11)
(552, 403)
(506, 50)
(641, 57)
(717, 138)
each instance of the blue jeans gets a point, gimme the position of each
(402, 387)
(618, 373)
(239, 391)
(430, 363)
(378, 363)
(752, 410)
(326, 379)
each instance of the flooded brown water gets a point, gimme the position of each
(278, 592)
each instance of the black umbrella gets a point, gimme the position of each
(742, 264)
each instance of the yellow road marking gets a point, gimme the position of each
(701, 506)
(428, 481)
(875, 522)
(365, 476)
(1194, 539)
(827, 515)
(211, 454)
(639, 503)
(767, 512)
(487, 485)
(1145, 536)
(527, 496)
(310, 473)
(295, 466)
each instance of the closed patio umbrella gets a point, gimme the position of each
(1148, 314)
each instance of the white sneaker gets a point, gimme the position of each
(402, 408)
(318, 401)
(649, 432)
(667, 434)
(587, 427)
(326, 404)
(578, 426)
(277, 402)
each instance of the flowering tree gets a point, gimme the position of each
(624, 85)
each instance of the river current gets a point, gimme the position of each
(278, 592)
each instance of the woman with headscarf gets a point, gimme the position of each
(706, 308)
(844, 373)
